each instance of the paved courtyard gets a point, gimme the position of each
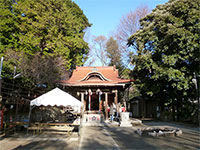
(106, 137)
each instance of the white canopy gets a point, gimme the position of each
(57, 97)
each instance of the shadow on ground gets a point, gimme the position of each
(43, 145)
(127, 139)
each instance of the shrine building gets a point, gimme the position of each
(96, 87)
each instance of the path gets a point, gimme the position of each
(97, 137)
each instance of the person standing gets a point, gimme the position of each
(111, 113)
(118, 110)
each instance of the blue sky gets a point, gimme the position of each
(105, 14)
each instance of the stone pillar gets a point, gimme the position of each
(106, 105)
(124, 119)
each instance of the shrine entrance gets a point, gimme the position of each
(94, 103)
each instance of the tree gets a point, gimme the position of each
(168, 52)
(8, 27)
(50, 30)
(99, 46)
(113, 53)
(129, 24)
(53, 28)
(53, 68)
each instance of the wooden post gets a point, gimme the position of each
(106, 100)
(90, 93)
(89, 105)
(99, 105)
(116, 97)
(100, 101)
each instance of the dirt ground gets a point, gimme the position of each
(105, 137)
(47, 141)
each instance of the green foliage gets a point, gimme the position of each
(48, 29)
(8, 27)
(53, 28)
(168, 50)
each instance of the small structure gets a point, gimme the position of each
(138, 108)
(97, 87)
(56, 97)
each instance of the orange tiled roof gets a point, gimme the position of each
(109, 76)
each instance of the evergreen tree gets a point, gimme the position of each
(52, 30)
(8, 27)
(168, 52)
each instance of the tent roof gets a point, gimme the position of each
(56, 97)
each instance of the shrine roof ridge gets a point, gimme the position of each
(105, 75)
(97, 67)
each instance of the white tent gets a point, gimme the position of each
(57, 97)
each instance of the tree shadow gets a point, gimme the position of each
(45, 140)
(106, 137)
(127, 139)
(61, 145)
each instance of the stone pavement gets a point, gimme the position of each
(96, 137)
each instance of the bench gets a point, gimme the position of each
(60, 127)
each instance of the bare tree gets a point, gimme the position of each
(45, 69)
(129, 24)
(98, 47)
(40, 69)
(113, 53)
(90, 60)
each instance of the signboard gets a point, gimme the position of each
(94, 118)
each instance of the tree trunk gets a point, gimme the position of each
(173, 110)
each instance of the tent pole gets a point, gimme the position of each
(29, 116)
